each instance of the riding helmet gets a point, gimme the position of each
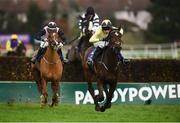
(52, 25)
(106, 24)
(90, 11)
(14, 36)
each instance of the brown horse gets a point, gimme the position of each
(105, 70)
(49, 69)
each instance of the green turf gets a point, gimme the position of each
(77, 113)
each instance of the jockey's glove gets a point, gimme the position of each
(45, 40)
(60, 45)
(46, 44)
(126, 61)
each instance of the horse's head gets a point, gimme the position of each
(114, 39)
(54, 40)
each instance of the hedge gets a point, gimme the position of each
(148, 70)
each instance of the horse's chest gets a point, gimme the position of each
(52, 72)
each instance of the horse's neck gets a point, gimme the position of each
(110, 59)
(51, 55)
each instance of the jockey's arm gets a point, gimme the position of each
(95, 22)
(96, 36)
(8, 46)
(62, 36)
(40, 34)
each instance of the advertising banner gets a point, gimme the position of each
(126, 93)
(77, 93)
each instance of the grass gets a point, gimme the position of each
(86, 113)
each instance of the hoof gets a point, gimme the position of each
(43, 105)
(108, 106)
(97, 108)
(102, 109)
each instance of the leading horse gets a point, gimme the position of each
(105, 70)
(49, 68)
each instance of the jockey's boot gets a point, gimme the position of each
(61, 56)
(122, 59)
(94, 54)
(38, 56)
(90, 57)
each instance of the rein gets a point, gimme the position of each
(102, 56)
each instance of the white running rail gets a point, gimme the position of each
(169, 50)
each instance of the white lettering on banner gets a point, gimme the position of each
(178, 89)
(88, 98)
(149, 93)
(130, 94)
(115, 96)
(123, 94)
(79, 95)
(172, 91)
(159, 91)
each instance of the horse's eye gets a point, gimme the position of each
(116, 33)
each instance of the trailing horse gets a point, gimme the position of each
(84, 41)
(49, 68)
(105, 70)
(20, 51)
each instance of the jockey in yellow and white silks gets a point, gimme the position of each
(99, 40)
(13, 43)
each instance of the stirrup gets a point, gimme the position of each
(89, 62)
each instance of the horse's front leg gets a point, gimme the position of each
(88, 77)
(55, 89)
(100, 96)
(109, 96)
(44, 95)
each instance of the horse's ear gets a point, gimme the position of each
(120, 29)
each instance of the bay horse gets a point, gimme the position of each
(49, 68)
(105, 70)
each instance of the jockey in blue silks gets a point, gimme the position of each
(42, 36)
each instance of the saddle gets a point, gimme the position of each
(95, 59)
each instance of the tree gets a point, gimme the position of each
(165, 25)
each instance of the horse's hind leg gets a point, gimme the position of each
(55, 89)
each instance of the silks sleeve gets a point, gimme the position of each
(96, 36)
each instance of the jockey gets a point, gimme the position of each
(13, 43)
(93, 24)
(99, 41)
(43, 35)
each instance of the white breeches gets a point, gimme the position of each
(101, 44)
